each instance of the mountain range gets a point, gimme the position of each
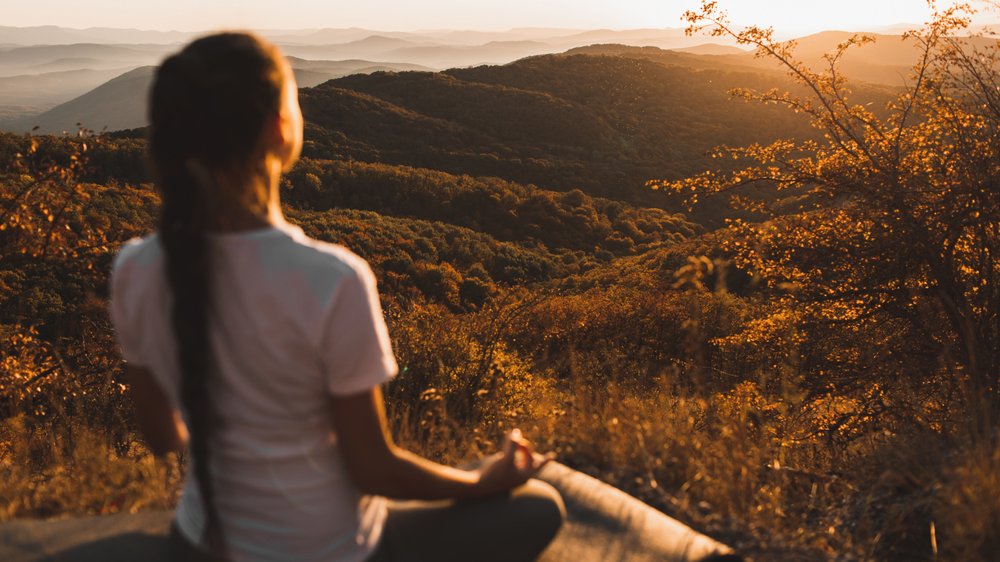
(30, 56)
(55, 86)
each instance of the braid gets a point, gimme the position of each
(187, 265)
(208, 108)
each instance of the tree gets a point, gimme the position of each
(56, 235)
(898, 228)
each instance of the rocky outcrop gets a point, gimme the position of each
(604, 524)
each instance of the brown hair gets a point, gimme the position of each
(208, 109)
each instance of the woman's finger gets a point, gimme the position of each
(522, 457)
(541, 460)
(511, 443)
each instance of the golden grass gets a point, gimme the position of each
(47, 473)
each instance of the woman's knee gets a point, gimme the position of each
(541, 505)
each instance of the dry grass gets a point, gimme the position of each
(745, 464)
(719, 464)
(48, 471)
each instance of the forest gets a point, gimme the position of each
(765, 302)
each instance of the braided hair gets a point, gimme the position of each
(209, 106)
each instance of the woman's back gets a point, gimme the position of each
(292, 321)
(262, 352)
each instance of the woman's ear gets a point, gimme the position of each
(277, 132)
(282, 139)
(288, 126)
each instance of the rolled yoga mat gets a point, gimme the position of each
(606, 524)
(603, 524)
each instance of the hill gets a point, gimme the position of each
(603, 119)
(888, 60)
(320, 55)
(506, 211)
(55, 35)
(111, 106)
(711, 49)
(20, 60)
(44, 91)
(28, 51)
(604, 124)
(120, 103)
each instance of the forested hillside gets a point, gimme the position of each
(603, 124)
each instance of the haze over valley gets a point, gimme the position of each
(52, 78)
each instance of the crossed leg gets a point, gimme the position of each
(514, 527)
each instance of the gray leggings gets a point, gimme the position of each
(514, 527)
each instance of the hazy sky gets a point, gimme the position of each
(196, 15)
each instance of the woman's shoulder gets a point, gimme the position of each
(136, 274)
(287, 258)
(324, 257)
(137, 252)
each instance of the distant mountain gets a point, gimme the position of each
(666, 37)
(495, 52)
(711, 49)
(309, 73)
(894, 29)
(36, 50)
(345, 67)
(371, 47)
(889, 50)
(361, 50)
(321, 36)
(672, 57)
(887, 61)
(43, 91)
(310, 78)
(380, 43)
(73, 63)
(53, 35)
(117, 104)
(471, 37)
(21, 59)
(121, 102)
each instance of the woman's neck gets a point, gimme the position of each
(246, 203)
(246, 219)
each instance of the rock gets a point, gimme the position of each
(603, 524)
(110, 538)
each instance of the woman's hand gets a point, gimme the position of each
(513, 466)
(378, 466)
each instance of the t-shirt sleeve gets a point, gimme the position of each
(124, 313)
(355, 348)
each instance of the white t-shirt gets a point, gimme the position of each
(293, 320)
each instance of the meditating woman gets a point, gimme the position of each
(263, 351)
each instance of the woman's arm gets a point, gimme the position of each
(378, 466)
(160, 423)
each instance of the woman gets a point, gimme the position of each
(262, 351)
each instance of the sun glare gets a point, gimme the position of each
(794, 16)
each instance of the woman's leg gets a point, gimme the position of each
(515, 527)
(181, 550)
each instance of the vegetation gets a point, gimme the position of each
(814, 378)
(602, 124)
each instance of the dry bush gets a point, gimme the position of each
(51, 470)
(967, 511)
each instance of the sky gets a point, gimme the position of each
(790, 16)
